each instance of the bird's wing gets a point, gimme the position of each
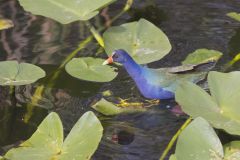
(170, 81)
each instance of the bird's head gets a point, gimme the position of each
(119, 56)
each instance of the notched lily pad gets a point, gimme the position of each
(142, 40)
(90, 69)
(14, 73)
(47, 141)
(44, 143)
(221, 108)
(234, 15)
(201, 56)
(5, 23)
(65, 11)
(198, 141)
(107, 108)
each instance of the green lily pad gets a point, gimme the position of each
(142, 40)
(234, 15)
(47, 141)
(90, 69)
(83, 139)
(221, 109)
(5, 23)
(202, 56)
(44, 143)
(107, 108)
(65, 11)
(14, 73)
(198, 141)
(172, 157)
(232, 150)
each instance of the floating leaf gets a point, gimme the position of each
(198, 141)
(47, 141)
(232, 150)
(83, 139)
(142, 40)
(202, 56)
(14, 73)
(44, 143)
(90, 69)
(173, 157)
(222, 109)
(65, 11)
(5, 23)
(107, 108)
(234, 15)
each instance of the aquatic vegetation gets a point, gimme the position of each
(221, 107)
(141, 39)
(47, 142)
(145, 43)
(234, 15)
(90, 69)
(200, 141)
(5, 23)
(203, 55)
(14, 73)
(65, 11)
(109, 109)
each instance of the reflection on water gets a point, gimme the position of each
(189, 25)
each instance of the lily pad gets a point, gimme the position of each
(65, 11)
(83, 139)
(172, 157)
(109, 109)
(221, 109)
(47, 141)
(44, 143)
(234, 15)
(90, 69)
(5, 23)
(142, 40)
(198, 141)
(14, 73)
(202, 56)
(232, 150)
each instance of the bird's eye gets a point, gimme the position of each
(115, 56)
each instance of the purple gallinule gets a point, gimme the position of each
(152, 83)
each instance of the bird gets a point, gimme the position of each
(152, 83)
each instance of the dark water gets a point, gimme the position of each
(189, 25)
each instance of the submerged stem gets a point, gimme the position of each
(174, 138)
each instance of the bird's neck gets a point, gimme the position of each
(133, 69)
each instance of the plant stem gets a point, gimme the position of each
(231, 63)
(12, 90)
(125, 9)
(95, 33)
(174, 138)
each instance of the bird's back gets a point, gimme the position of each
(169, 81)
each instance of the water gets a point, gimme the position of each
(189, 25)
